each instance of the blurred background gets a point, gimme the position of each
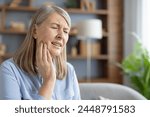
(121, 23)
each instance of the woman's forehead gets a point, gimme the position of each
(57, 18)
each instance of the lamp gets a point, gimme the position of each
(88, 30)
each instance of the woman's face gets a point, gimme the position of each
(54, 31)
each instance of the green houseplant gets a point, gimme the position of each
(136, 66)
(70, 3)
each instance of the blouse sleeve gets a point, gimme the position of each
(9, 87)
(76, 87)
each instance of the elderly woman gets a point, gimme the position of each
(39, 69)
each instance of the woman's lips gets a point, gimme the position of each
(57, 44)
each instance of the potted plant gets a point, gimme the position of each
(71, 4)
(136, 67)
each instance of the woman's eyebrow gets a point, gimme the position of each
(66, 29)
(55, 24)
(59, 25)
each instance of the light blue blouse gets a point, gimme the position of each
(15, 84)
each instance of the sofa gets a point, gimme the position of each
(108, 91)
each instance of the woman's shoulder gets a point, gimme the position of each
(8, 64)
(70, 69)
(70, 66)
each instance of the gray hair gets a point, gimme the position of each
(25, 56)
(48, 9)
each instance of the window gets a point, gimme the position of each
(145, 24)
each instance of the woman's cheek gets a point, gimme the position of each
(45, 39)
(66, 41)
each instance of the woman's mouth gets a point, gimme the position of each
(57, 44)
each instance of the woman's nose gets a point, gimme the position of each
(59, 36)
(60, 33)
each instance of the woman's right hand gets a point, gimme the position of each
(46, 69)
(45, 63)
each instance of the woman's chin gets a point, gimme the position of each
(55, 54)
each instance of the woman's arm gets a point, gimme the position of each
(9, 86)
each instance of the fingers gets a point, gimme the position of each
(49, 58)
(44, 57)
(44, 62)
(39, 52)
(43, 52)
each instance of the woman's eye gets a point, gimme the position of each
(66, 32)
(54, 27)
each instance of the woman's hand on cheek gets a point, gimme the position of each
(45, 64)
(47, 70)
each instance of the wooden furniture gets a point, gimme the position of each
(111, 46)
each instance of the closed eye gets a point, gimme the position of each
(54, 27)
(66, 32)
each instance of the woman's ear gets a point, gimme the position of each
(35, 31)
